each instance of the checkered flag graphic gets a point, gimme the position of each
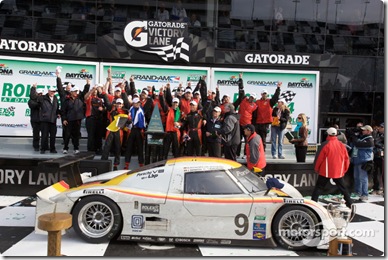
(170, 53)
(288, 96)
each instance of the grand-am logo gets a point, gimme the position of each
(262, 83)
(8, 112)
(303, 83)
(166, 39)
(155, 78)
(4, 70)
(82, 74)
(38, 73)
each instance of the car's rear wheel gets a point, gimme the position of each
(296, 228)
(97, 219)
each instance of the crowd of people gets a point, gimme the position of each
(196, 122)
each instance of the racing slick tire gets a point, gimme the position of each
(97, 219)
(296, 228)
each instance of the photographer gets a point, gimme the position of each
(362, 158)
(352, 133)
(378, 136)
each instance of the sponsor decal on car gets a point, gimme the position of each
(94, 191)
(150, 208)
(259, 231)
(149, 174)
(259, 218)
(137, 221)
(293, 201)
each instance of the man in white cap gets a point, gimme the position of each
(115, 134)
(192, 124)
(213, 140)
(262, 116)
(173, 125)
(136, 136)
(49, 112)
(147, 104)
(331, 162)
(34, 106)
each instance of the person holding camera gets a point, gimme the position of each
(378, 151)
(362, 159)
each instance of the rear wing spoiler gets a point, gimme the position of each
(68, 164)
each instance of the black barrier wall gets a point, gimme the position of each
(21, 177)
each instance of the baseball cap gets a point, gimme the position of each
(264, 91)
(74, 89)
(226, 95)
(117, 89)
(218, 109)
(382, 125)
(135, 100)
(331, 131)
(367, 127)
(213, 91)
(100, 85)
(253, 95)
(197, 92)
(136, 94)
(250, 127)
(145, 91)
(119, 100)
(52, 88)
(175, 100)
(39, 91)
(282, 100)
(188, 91)
(193, 102)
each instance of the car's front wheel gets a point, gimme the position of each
(296, 228)
(97, 219)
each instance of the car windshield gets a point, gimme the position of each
(248, 179)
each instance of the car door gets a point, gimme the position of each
(215, 204)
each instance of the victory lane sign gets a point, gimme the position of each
(166, 39)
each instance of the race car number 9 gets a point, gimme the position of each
(241, 221)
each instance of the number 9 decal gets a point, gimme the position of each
(244, 225)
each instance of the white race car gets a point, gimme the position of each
(196, 200)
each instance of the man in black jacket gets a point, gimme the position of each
(230, 132)
(213, 140)
(49, 112)
(72, 114)
(34, 106)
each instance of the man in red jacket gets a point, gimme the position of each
(254, 148)
(331, 162)
(263, 114)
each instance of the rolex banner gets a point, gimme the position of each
(17, 77)
(300, 89)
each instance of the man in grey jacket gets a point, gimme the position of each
(230, 132)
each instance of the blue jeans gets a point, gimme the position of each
(278, 134)
(360, 180)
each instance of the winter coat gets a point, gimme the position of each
(231, 129)
(332, 159)
(255, 152)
